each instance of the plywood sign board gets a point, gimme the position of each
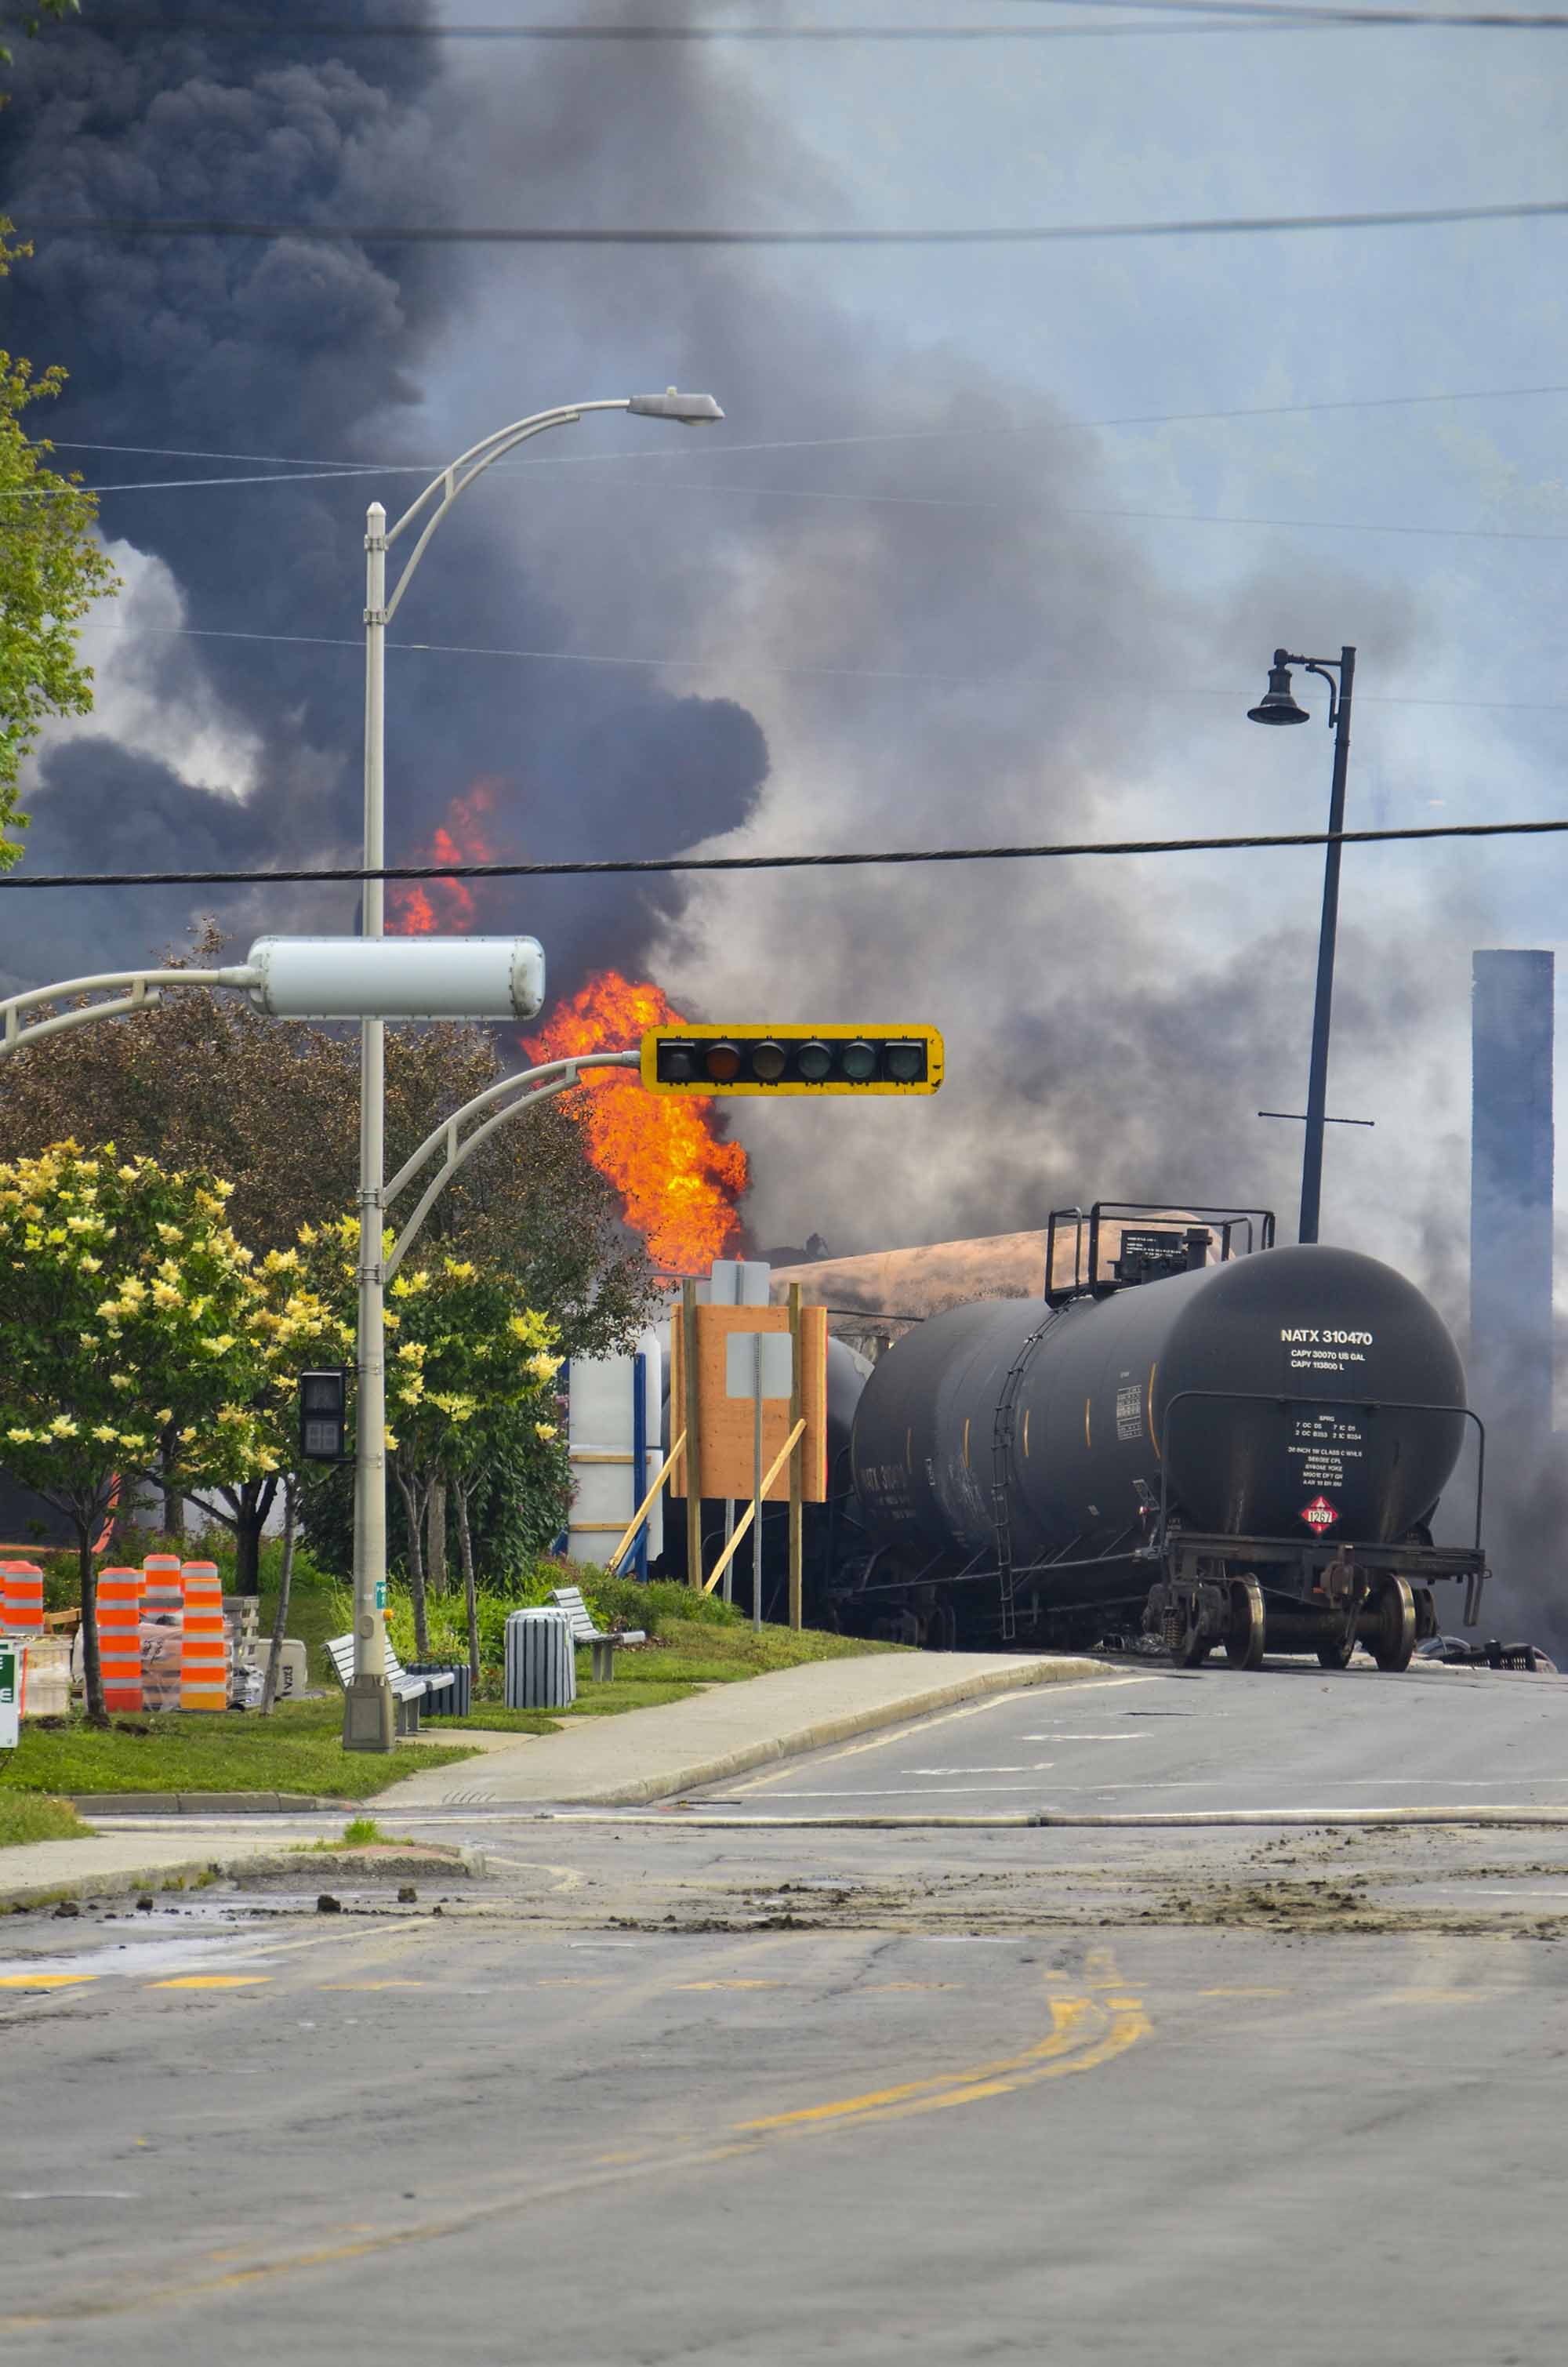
(724, 1422)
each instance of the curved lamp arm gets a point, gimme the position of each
(145, 989)
(1327, 670)
(550, 1078)
(690, 409)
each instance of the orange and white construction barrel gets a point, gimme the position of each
(21, 1597)
(120, 1638)
(204, 1653)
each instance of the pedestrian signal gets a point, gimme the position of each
(323, 1415)
(792, 1059)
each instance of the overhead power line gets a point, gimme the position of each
(685, 486)
(1224, 17)
(1035, 234)
(886, 858)
(1254, 11)
(666, 451)
(610, 658)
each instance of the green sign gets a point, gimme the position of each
(380, 1594)
(10, 1695)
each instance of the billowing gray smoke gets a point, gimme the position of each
(911, 635)
(289, 348)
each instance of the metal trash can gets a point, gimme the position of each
(541, 1662)
(454, 1700)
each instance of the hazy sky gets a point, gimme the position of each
(964, 622)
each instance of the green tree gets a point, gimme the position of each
(51, 570)
(207, 1081)
(127, 1307)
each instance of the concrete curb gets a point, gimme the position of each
(206, 1804)
(108, 1883)
(817, 1736)
(1020, 1819)
(116, 1881)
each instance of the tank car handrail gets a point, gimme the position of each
(1274, 1397)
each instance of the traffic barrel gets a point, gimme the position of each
(21, 1596)
(120, 1638)
(203, 1657)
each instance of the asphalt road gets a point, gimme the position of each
(1160, 1740)
(667, 2088)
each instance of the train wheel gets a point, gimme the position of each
(1395, 1639)
(1337, 1654)
(1244, 1636)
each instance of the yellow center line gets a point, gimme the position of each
(1067, 2016)
(213, 1981)
(1086, 2031)
(43, 1980)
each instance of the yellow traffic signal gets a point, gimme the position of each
(789, 1059)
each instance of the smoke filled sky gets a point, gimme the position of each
(921, 587)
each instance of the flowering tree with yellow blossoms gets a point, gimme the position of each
(127, 1309)
(234, 1468)
(470, 1367)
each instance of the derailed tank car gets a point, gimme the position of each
(1233, 1448)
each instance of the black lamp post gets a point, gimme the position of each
(1278, 706)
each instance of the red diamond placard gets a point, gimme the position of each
(1320, 1515)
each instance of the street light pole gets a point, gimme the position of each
(368, 1713)
(1278, 706)
(368, 1708)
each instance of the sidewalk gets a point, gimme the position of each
(623, 1761)
(604, 1761)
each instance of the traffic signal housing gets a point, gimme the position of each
(323, 1415)
(792, 1059)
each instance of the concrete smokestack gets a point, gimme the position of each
(1510, 1197)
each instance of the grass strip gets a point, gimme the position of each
(299, 1749)
(687, 1657)
(34, 1816)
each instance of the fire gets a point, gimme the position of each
(426, 908)
(679, 1180)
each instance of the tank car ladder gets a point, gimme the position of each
(1001, 1451)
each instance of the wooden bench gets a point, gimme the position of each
(407, 1692)
(569, 1600)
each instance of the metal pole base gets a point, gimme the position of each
(370, 1715)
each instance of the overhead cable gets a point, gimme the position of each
(607, 658)
(1308, 13)
(656, 865)
(1031, 234)
(1226, 15)
(667, 451)
(895, 501)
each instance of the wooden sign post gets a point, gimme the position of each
(795, 1464)
(694, 1468)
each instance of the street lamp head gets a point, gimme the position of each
(1277, 705)
(690, 409)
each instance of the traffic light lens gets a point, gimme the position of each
(907, 1063)
(815, 1061)
(860, 1062)
(769, 1062)
(677, 1064)
(723, 1063)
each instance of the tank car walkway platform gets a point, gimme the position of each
(622, 1762)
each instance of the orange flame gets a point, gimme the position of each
(427, 907)
(679, 1180)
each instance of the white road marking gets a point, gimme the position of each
(900, 1733)
(1086, 1737)
(1035, 1767)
